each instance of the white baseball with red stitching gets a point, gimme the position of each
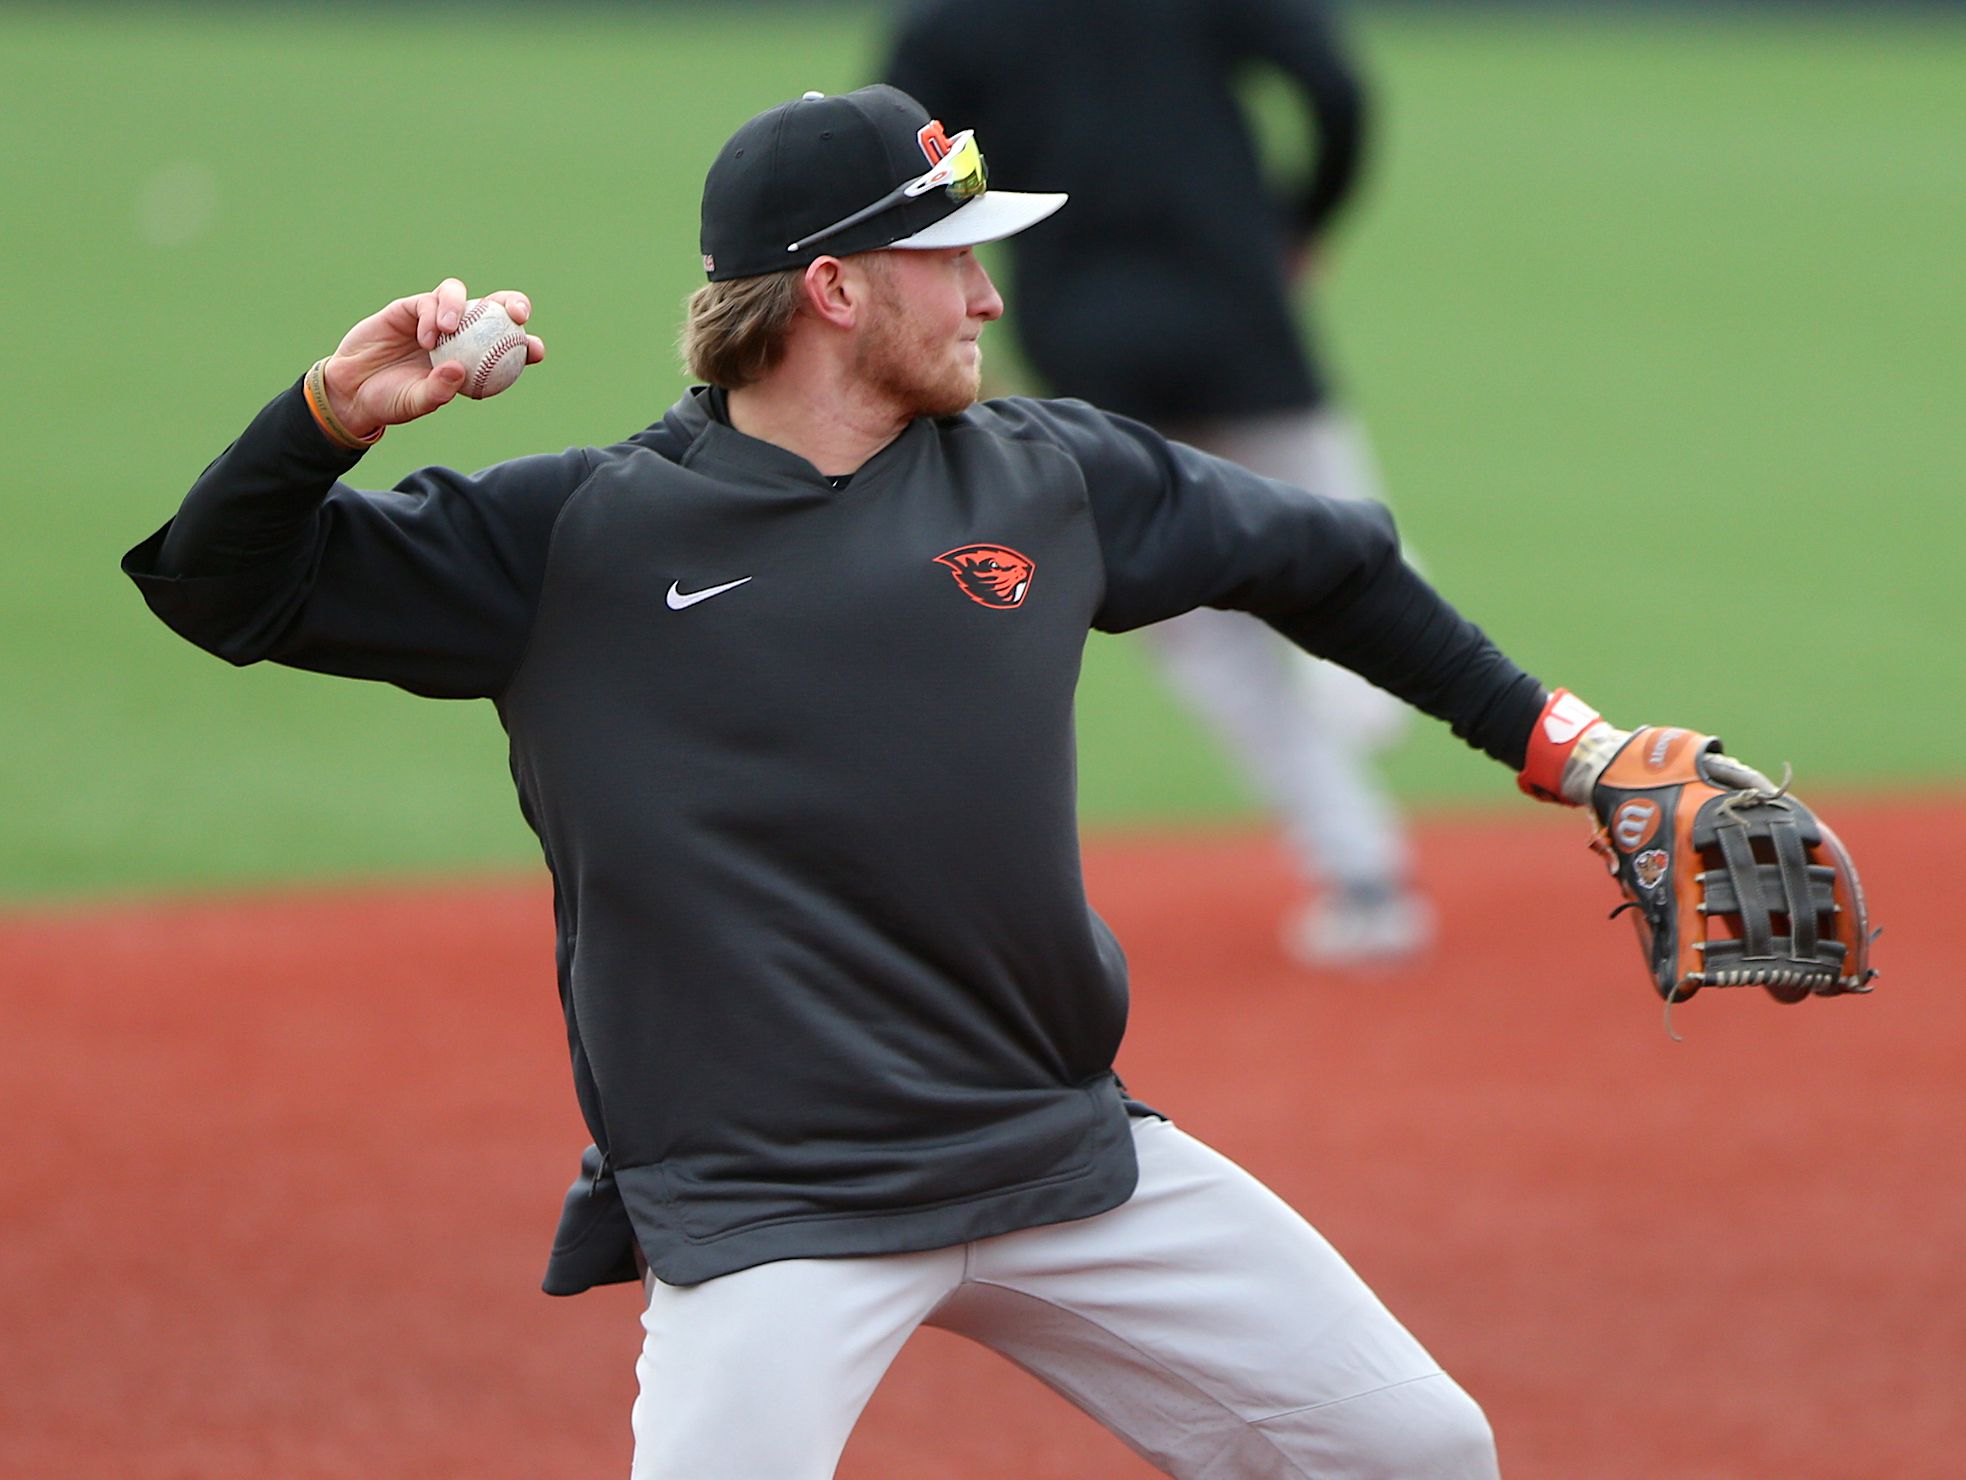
(490, 347)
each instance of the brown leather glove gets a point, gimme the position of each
(1731, 881)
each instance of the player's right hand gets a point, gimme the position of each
(381, 375)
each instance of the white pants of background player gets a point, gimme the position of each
(1203, 1322)
(1302, 730)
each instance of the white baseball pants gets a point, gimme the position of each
(1302, 730)
(1203, 1322)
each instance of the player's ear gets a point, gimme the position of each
(836, 291)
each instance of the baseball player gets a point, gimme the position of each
(788, 683)
(1166, 294)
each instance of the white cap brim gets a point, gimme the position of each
(992, 216)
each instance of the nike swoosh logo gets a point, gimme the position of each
(678, 598)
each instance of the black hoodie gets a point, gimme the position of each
(801, 760)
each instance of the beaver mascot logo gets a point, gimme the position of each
(990, 575)
(1650, 867)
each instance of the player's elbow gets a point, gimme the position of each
(230, 618)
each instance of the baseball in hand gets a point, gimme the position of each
(490, 347)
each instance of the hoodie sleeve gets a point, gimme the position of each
(430, 586)
(1180, 529)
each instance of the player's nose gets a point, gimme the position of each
(984, 301)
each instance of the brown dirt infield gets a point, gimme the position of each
(280, 1174)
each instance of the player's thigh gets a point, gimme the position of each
(763, 1373)
(1219, 1334)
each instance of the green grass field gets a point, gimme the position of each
(1657, 327)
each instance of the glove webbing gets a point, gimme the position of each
(1760, 891)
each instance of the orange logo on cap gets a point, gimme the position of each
(935, 143)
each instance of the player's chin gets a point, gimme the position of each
(954, 391)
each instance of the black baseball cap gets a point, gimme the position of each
(831, 176)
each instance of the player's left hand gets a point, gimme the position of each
(1731, 880)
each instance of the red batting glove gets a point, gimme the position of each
(1568, 750)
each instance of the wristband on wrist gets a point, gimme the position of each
(315, 388)
(1568, 750)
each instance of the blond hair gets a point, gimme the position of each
(734, 331)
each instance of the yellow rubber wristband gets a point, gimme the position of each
(315, 388)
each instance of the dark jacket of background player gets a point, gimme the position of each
(1162, 294)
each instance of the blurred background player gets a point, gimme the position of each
(1166, 294)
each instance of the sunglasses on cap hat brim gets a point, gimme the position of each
(961, 173)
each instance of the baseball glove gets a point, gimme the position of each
(1731, 881)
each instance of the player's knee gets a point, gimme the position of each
(1441, 1434)
(1425, 1430)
